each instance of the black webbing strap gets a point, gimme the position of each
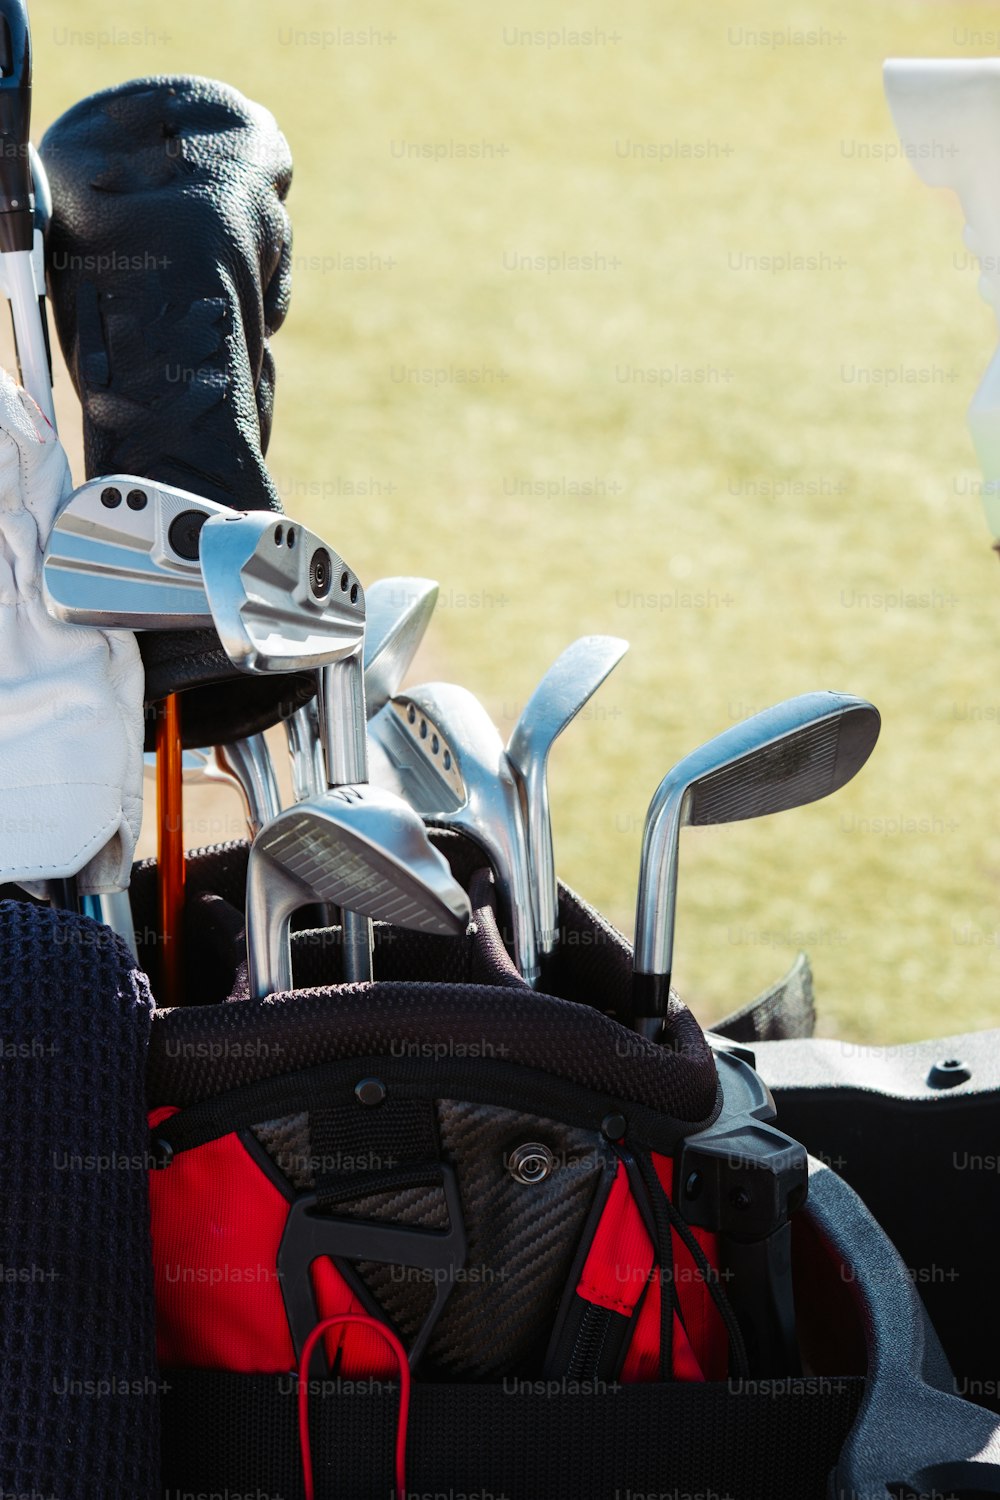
(237, 1434)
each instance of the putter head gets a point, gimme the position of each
(123, 554)
(438, 747)
(281, 599)
(398, 612)
(787, 756)
(357, 847)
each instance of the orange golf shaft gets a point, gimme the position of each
(170, 848)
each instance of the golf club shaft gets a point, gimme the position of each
(17, 220)
(170, 847)
(248, 763)
(29, 331)
(305, 751)
(341, 694)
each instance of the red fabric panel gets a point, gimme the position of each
(364, 1353)
(620, 1259)
(620, 1274)
(217, 1222)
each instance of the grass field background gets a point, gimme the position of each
(735, 435)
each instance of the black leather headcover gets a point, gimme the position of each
(169, 258)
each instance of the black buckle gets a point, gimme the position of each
(310, 1234)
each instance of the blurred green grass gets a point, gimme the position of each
(752, 516)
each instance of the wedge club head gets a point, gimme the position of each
(398, 613)
(357, 847)
(787, 756)
(438, 747)
(124, 553)
(569, 683)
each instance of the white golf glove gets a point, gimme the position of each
(71, 725)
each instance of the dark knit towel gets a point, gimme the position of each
(79, 1388)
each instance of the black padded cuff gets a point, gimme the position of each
(169, 260)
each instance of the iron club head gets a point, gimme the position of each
(281, 599)
(357, 847)
(123, 553)
(787, 756)
(570, 682)
(439, 748)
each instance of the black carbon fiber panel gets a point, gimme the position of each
(521, 1238)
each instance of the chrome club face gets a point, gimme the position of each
(398, 613)
(124, 554)
(569, 683)
(357, 847)
(787, 756)
(281, 599)
(439, 748)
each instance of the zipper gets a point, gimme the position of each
(591, 1338)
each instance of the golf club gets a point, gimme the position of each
(22, 265)
(357, 847)
(25, 208)
(397, 612)
(438, 747)
(245, 765)
(123, 553)
(786, 756)
(283, 601)
(569, 683)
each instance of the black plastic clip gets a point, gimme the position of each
(310, 1233)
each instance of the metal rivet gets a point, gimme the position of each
(369, 1091)
(111, 497)
(948, 1074)
(613, 1127)
(162, 1154)
(693, 1186)
(741, 1199)
(136, 499)
(530, 1163)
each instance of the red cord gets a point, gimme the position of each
(338, 1320)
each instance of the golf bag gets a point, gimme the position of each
(544, 1205)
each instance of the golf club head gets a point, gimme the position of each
(196, 767)
(245, 765)
(398, 612)
(438, 747)
(569, 683)
(787, 756)
(281, 599)
(357, 847)
(123, 553)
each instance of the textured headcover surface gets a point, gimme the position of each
(169, 259)
(79, 1397)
